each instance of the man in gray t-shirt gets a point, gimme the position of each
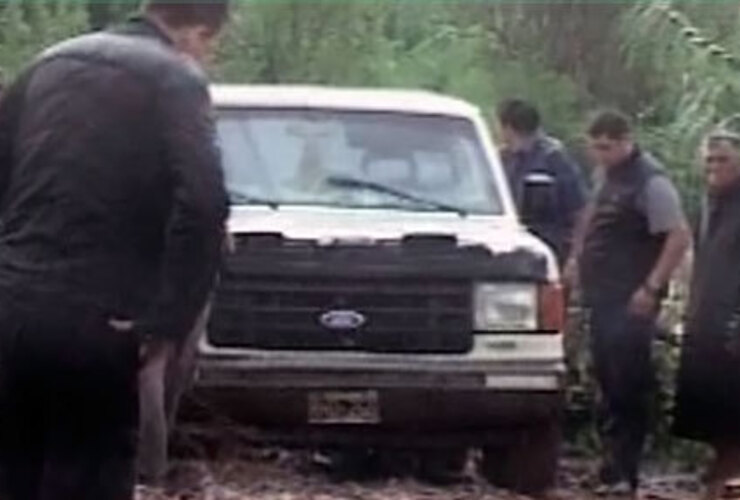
(635, 237)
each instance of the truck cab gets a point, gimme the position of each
(381, 291)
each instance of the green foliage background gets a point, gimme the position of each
(663, 62)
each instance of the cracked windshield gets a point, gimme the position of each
(356, 160)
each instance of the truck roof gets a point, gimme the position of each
(340, 98)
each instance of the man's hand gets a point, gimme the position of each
(148, 349)
(154, 351)
(643, 304)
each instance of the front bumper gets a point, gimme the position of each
(498, 363)
(427, 400)
(354, 373)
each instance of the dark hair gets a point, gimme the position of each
(519, 115)
(178, 13)
(610, 123)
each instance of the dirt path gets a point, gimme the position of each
(281, 477)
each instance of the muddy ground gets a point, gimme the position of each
(281, 475)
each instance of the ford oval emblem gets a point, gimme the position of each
(342, 320)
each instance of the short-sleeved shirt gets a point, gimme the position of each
(635, 208)
(660, 202)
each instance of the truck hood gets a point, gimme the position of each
(500, 234)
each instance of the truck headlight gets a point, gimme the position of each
(505, 307)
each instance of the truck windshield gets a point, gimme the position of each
(280, 157)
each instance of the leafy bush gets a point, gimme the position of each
(693, 84)
(386, 44)
(28, 27)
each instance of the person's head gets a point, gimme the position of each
(193, 25)
(610, 140)
(518, 120)
(721, 159)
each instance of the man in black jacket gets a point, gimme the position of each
(529, 151)
(707, 404)
(112, 208)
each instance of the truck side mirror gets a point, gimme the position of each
(539, 200)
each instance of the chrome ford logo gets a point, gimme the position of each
(342, 320)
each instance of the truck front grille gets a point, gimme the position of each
(401, 315)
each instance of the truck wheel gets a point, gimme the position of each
(442, 466)
(354, 464)
(527, 465)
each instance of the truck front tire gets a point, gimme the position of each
(526, 464)
(442, 466)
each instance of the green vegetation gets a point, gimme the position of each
(666, 64)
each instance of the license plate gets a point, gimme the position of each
(343, 407)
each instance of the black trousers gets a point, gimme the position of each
(621, 347)
(68, 406)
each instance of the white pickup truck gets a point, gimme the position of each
(382, 292)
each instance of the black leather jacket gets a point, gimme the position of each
(111, 188)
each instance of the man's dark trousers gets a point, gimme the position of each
(621, 349)
(69, 403)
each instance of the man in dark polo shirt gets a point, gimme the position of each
(635, 237)
(529, 152)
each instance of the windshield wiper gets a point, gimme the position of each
(355, 183)
(239, 198)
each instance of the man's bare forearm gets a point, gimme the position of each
(582, 220)
(675, 247)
